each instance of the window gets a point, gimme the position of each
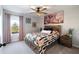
(14, 24)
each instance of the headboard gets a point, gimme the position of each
(53, 27)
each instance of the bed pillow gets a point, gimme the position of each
(48, 28)
(55, 33)
(46, 31)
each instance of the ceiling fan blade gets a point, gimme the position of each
(43, 9)
(33, 9)
(43, 12)
(40, 13)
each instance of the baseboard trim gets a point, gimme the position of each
(74, 45)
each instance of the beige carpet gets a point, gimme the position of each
(60, 49)
(16, 48)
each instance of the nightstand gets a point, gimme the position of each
(66, 40)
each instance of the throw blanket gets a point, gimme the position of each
(40, 38)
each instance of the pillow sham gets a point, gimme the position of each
(55, 33)
(46, 31)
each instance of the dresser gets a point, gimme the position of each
(66, 40)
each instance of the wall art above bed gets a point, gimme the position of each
(54, 18)
(34, 24)
(28, 20)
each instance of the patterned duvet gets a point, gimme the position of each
(41, 40)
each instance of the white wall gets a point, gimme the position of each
(1, 31)
(34, 18)
(71, 20)
(0, 21)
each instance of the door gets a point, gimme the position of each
(14, 26)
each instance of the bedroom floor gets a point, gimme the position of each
(22, 48)
(59, 49)
(16, 48)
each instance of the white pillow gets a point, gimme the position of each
(46, 31)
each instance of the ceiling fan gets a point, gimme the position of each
(39, 10)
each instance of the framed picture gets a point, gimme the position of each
(54, 18)
(28, 20)
(34, 24)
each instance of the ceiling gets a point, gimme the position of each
(27, 8)
(24, 8)
(18, 8)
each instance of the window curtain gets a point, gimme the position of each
(21, 33)
(6, 28)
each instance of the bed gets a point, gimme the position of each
(39, 41)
